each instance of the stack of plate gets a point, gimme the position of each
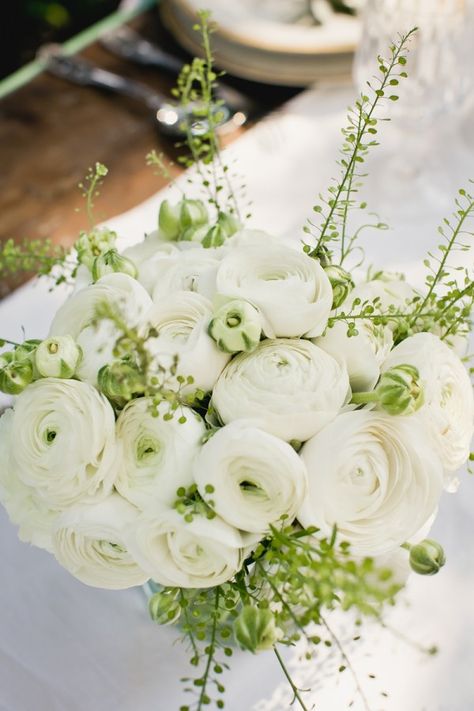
(272, 41)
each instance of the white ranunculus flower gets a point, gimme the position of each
(63, 434)
(197, 554)
(374, 476)
(156, 454)
(290, 289)
(182, 320)
(76, 315)
(448, 411)
(153, 245)
(90, 542)
(193, 270)
(82, 279)
(31, 514)
(288, 387)
(362, 355)
(255, 238)
(256, 478)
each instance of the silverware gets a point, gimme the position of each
(172, 118)
(128, 44)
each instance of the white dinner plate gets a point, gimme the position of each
(271, 40)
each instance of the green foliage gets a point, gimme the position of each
(449, 298)
(359, 137)
(90, 188)
(447, 307)
(196, 90)
(295, 576)
(189, 503)
(159, 383)
(158, 162)
(206, 617)
(41, 257)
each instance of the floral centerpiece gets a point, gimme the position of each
(246, 422)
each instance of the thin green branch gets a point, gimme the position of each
(434, 282)
(294, 688)
(354, 139)
(211, 651)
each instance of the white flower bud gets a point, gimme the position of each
(58, 357)
(236, 327)
(193, 213)
(110, 262)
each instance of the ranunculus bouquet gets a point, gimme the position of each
(247, 422)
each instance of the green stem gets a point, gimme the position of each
(90, 199)
(281, 598)
(11, 343)
(465, 214)
(364, 398)
(346, 202)
(210, 655)
(188, 632)
(367, 119)
(294, 688)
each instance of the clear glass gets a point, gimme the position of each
(441, 75)
(424, 141)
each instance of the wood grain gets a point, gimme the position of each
(51, 132)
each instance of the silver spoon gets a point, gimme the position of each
(172, 119)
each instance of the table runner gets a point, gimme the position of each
(67, 647)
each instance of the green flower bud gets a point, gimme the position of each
(92, 244)
(58, 357)
(229, 223)
(341, 282)
(120, 381)
(427, 557)
(26, 350)
(399, 390)
(14, 375)
(214, 237)
(112, 261)
(168, 219)
(193, 213)
(236, 327)
(164, 607)
(323, 255)
(255, 629)
(194, 234)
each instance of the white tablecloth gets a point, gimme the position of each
(67, 647)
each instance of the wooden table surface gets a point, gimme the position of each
(51, 132)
